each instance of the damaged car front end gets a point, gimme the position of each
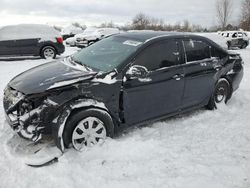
(28, 115)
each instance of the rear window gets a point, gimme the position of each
(196, 50)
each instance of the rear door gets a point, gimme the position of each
(199, 72)
(160, 93)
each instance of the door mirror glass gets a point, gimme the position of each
(137, 71)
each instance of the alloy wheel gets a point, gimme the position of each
(49, 53)
(88, 132)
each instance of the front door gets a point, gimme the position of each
(27, 46)
(160, 92)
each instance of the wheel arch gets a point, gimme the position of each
(230, 84)
(47, 45)
(69, 110)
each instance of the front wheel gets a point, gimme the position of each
(87, 128)
(221, 94)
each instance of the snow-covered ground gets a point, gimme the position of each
(201, 149)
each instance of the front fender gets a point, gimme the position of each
(60, 121)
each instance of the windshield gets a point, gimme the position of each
(107, 54)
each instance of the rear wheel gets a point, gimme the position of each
(48, 52)
(221, 94)
(87, 128)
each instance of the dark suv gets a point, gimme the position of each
(30, 40)
(123, 80)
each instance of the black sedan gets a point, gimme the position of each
(123, 80)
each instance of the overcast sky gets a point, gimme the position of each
(94, 12)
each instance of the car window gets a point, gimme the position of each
(240, 34)
(196, 50)
(217, 53)
(159, 55)
(234, 35)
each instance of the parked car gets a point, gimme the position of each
(92, 37)
(72, 40)
(234, 39)
(30, 40)
(120, 81)
(70, 31)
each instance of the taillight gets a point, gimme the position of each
(59, 40)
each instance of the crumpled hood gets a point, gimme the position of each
(49, 76)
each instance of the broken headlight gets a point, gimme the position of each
(12, 97)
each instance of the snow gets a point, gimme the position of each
(28, 31)
(67, 82)
(108, 79)
(208, 149)
(70, 29)
(220, 40)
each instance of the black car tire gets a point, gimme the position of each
(74, 119)
(48, 52)
(244, 45)
(220, 95)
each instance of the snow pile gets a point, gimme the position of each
(71, 30)
(201, 149)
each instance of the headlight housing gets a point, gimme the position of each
(12, 97)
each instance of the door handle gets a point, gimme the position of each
(178, 77)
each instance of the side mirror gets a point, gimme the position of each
(137, 71)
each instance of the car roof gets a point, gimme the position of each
(233, 32)
(145, 36)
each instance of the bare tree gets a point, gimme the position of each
(76, 24)
(245, 17)
(108, 24)
(224, 9)
(140, 21)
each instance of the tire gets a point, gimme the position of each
(48, 52)
(243, 46)
(80, 133)
(220, 95)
